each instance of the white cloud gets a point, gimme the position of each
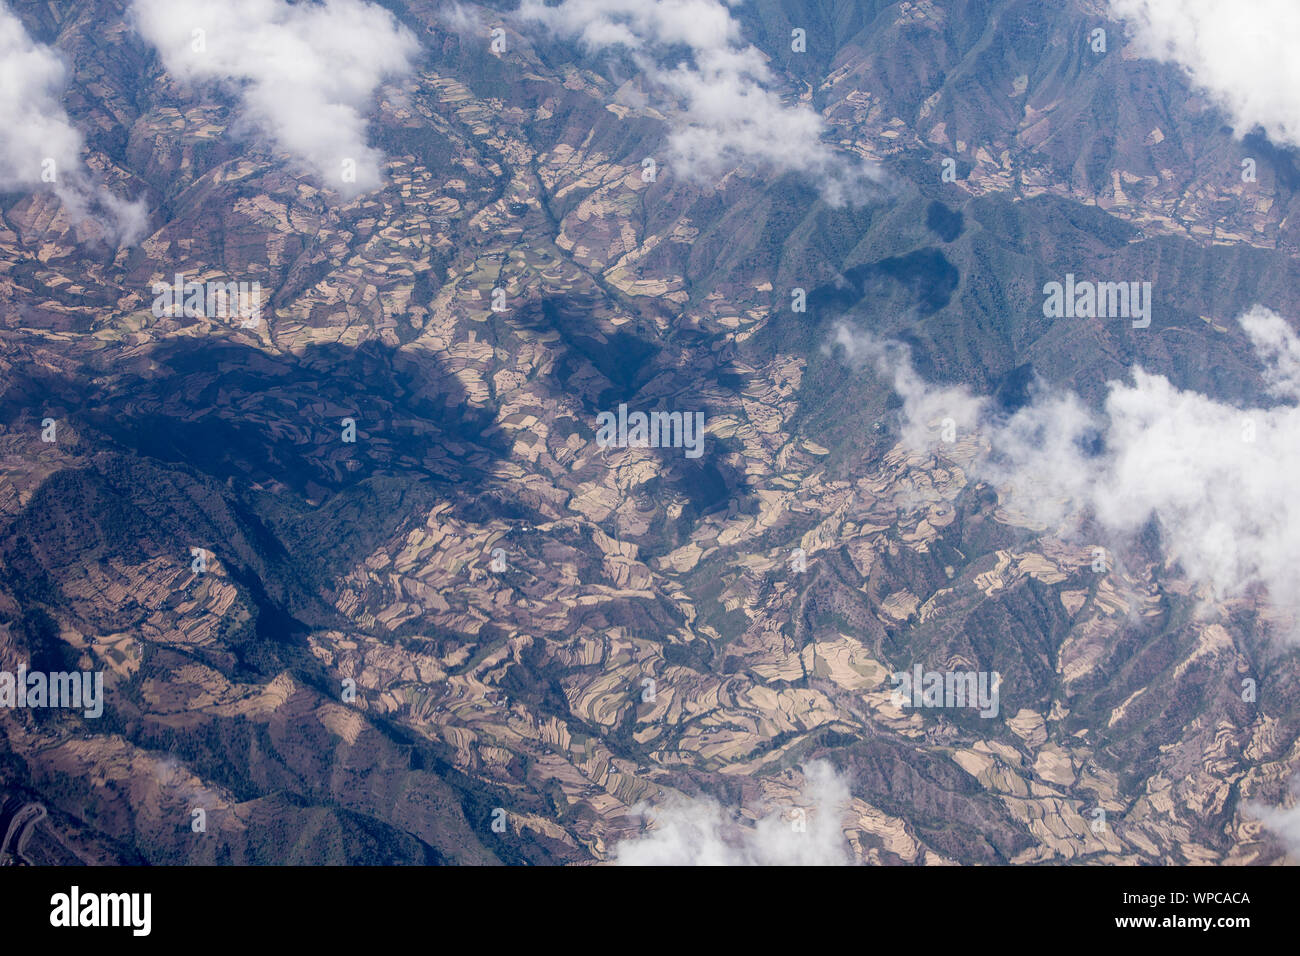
(33, 123)
(923, 404)
(1218, 480)
(461, 19)
(1278, 347)
(722, 109)
(1282, 821)
(39, 146)
(306, 72)
(1240, 51)
(700, 833)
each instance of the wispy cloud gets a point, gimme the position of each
(1240, 51)
(723, 109)
(923, 403)
(460, 19)
(39, 146)
(306, 73)
(700, 833)
(1284, 822)
(1217, 479)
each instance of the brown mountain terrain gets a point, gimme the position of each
(350, 679)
